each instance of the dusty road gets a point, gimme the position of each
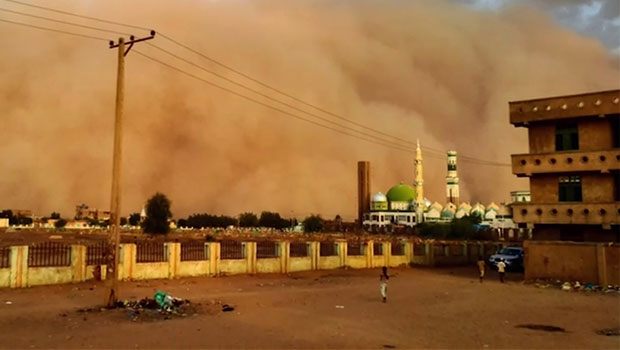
(427, 308)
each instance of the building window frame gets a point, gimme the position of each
(567, 136)
(569, 189)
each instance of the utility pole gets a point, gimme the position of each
(114, 238)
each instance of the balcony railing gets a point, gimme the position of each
(599, 103)
(567, 213)
(559, 162)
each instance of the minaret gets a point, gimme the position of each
(452, 180)
(419, 184)
(419, 180)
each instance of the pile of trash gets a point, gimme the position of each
(576, 286)
(162, 304)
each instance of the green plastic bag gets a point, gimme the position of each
(160, 298)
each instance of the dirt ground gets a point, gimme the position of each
(426, 308)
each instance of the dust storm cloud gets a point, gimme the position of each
(432, 70)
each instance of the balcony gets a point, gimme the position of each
(562, 107)
(567, 213)
(565, 162)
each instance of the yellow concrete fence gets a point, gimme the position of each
(24, 266)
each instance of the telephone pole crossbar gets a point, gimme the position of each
(114, 238)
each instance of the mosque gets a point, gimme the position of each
(405, 205)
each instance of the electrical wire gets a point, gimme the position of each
(77, 15)
(54, 30)
(179, 70)
(428, 149)
(270, 97)
(63, 22)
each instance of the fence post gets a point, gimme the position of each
(127, 261)
(78, 262)
(315, 254)
(342, 252)
(19, 267)
(430, 253)
(250, 257)
(409, 251)
(214, 258)
(285, 253)
(601, 264)
(173, 250)
(370, 254)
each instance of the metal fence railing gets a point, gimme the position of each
(354, 249)
(328, 249)
(267, 249)
(149, 252)
(472, 250)
(397, 248)
(232, 250)
(439, 250)
(456, 250)
(49, 254)
(5, 256)
(194, 251)
(96, 254)
(299, 250)
(419, 249)
(377, 249)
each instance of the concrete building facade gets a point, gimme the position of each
(573, 166)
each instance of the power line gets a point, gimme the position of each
(77, 15)
(402, 147)
(54, 30)
(257, 81)
(63, 22)
(267, 105)
(270, 97)
(179, 70)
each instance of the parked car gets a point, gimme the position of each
(513, 257)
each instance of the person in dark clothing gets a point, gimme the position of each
(383, 283)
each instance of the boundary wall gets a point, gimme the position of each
(363, 255)
(597, 263)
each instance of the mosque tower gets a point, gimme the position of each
(452, 180)
(419, 184)
(419, 180)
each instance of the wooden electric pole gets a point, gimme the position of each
(114, 237)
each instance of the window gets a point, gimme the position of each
(571, 235)
(569, 189)
(616, 186)
(566, 137)
(614, 121)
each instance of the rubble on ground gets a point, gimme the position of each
(574, 286)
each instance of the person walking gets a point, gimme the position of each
(481, 267)
(501, 268)
(383, 283)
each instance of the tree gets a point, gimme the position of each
(55, 216)
(60, 223)
(123, 221)
(182, 223)
(157, 214)
(134, 219)
(208, 220)
(313, 223)
(273, 220)
(248, 220)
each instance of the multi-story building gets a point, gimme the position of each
(573, 166)
(82, 211)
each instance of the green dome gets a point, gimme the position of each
(401, 193)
